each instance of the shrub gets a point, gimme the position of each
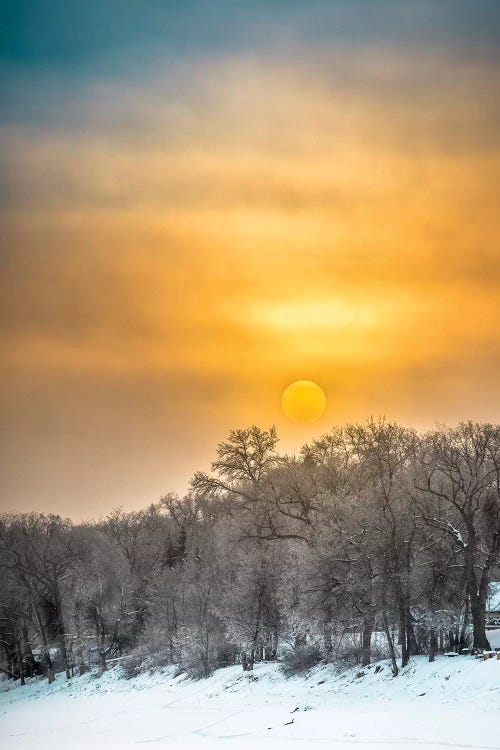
(301, 660)
(145, 659)
(198, 662)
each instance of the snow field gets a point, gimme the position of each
(451, 704)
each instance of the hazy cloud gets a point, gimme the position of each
(180, 244)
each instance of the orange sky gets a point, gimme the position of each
(177, 253)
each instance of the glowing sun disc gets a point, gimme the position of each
(303, 401)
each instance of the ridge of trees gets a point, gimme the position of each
(373, 529)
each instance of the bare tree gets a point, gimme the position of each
(460, 475)
(41, 551)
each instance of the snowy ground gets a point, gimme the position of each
(451, 704)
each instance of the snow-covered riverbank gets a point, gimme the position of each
(453, 703)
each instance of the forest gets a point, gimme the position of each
(374, 541)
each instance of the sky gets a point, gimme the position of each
(203, 202)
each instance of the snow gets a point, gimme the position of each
(449, 527)
(494, 638)
(493, 604)
(450, 704)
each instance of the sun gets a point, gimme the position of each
(303, 401)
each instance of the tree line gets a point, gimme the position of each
(374, 541)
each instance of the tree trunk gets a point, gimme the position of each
(49, 667)
(366, 641)
(403, 637)
(60, 634)
(327, 638)
(47, 661)
(11, 666)
(464, 638)
(479, 624)
(64, 655)
(257, 629)
(28, 658)
(102, 660)
(395, 670)
(477, 594)
(20, 664)
(81, 661)
(413, 645)
(244, 661)
(432, 645)
(274, 643)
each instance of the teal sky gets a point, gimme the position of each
(95, 37)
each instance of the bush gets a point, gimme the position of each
(145, 659)
(301, 660)
(192, 653)
(199, 663)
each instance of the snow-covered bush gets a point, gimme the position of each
(301, 659)
(145, 658)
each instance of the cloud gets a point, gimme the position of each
(178, 249)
